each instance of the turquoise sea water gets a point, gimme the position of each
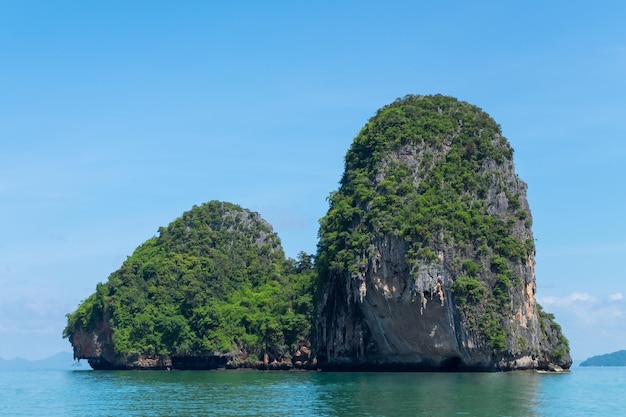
(582, 392)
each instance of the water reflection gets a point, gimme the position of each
(430, 394)
(237, 393)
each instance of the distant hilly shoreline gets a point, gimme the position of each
(610, 359)
(61, 360)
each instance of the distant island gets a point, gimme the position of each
(610, 359)
(62, 360)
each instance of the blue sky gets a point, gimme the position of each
(116, 117)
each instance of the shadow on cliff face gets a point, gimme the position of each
(452, 365)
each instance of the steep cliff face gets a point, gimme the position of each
(213, 290)
(426, 255)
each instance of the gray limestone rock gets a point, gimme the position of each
(400, 294)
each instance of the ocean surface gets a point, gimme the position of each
(582, 392)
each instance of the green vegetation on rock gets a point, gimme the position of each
(214, 282)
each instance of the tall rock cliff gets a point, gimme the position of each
(426, 258)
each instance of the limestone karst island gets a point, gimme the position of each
(425, 261)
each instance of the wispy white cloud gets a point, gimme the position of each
(32, 315)
(569, 300)
(593, 323)
(585, 309)
(41, 308)
(19, 328)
